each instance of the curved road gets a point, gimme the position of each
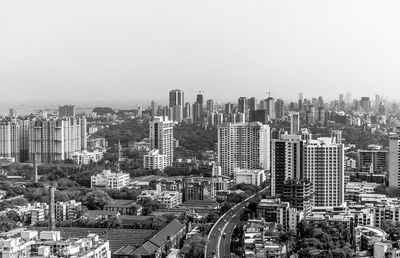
(219, 245)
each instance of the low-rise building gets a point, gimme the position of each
(86, 157)
(67, 210)
(110, 180)
(124, 207)
(249, 176)
(31, 243)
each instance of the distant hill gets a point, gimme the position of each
(103, 110)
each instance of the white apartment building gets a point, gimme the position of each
(86, 157)
(161, 137)
(155, 160)
(394, 161)
(169, 198)
(323, 167)
(30, 243)
(67, 210)
(110, 180)
(249, 176)
(243, 145)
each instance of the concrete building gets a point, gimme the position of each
(394, 161)
(155, 160)
(249, 176)
(10, 140)
(286, 161)
(243, 145)
(294, 123)
(110, 180)
(86, 157)
(56, 139)
(273, 210)
(161, 137)
(323, 167)
(31, 243)
(176, 103)
(67, 210)
(298, 193)
(66, 111)
(374, 158)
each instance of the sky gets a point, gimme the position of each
(81, 51)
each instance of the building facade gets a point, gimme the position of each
(243, 145)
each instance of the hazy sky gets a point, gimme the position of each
(140, 49)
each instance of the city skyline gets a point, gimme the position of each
(134, 50)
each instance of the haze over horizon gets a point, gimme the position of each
(88, 51)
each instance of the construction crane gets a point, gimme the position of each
(199, 91)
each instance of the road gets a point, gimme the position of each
(220, 235)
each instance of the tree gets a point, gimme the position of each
(212, 217)
(149, 205)
(96, 200)
(194, 247)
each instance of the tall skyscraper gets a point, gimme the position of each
(323, 166)
(286, 161)
(252, 103)
(153, 107)
(365, 104)
(13, 113)
(9, 140)
(301, 99)
(176, 104)
(56, 139)
(228, 108)
(161, 137)
(210, 106)
(279, 108)
(243, 145)
(176, 98)
(243, 105)
(187, 112)
(200, 99)
(294, 123)
(197, 113)
(271, 107)
(394, 161)
(66, 111)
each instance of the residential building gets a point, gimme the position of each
(110, 180)
(249, 176)
(298, 193)
(373, 159)
(394, 161)
(161, 137)
(67, 210)
(154, 160)
(273, 210)
(286, 161)
(294, 123)
(176, 102)
(66, 111)
(323, 166)
(56, 139)
(31, 243)
(86, 157)
(198, 188)
(243, 145)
